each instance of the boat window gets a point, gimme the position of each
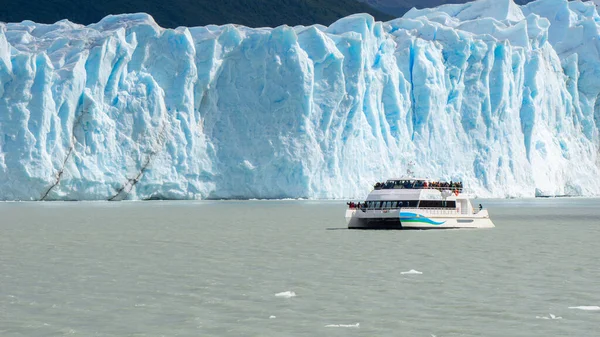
(378, 205)
(437, 204)
(405, 203)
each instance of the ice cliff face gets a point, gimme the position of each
(505, 98)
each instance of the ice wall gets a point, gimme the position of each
(505, 98)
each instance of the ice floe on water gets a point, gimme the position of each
(551, 316)
(587, 307)
(357, 325)
(411, 272)
(286, 294)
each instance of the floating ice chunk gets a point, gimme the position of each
(248, 165)
(272, 316)
(411, 272)
(286, 294)
(552, 316)
(587, 307)
(343, 325)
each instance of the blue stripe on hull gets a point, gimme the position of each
(408, 217)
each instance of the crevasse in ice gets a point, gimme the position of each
(502, 97)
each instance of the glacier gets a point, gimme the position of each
(504, 97)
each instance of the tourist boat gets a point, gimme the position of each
(412, 203)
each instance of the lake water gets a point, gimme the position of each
(233, 268)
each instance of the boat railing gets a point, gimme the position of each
(430, 210)
(438, 211)
(439, 188)
(451, 189)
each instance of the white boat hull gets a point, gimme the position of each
(414, 218)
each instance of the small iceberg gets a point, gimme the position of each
(548, 317)
(286, 294)
(587, 308)
(411, 272)
(343, 325)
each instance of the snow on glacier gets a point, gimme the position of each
(503, 97)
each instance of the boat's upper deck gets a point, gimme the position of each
(419, 184)
(417, 189)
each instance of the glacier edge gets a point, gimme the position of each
(503, 97)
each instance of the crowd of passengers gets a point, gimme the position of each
(359, 205)
(419, 184)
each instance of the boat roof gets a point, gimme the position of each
(409, 178)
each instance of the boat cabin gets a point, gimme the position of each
(416, 193)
